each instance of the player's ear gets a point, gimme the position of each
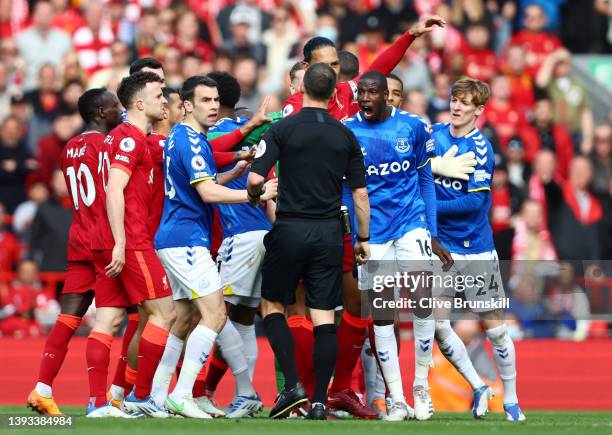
(139, 104)
(188, 105)
(479, 110)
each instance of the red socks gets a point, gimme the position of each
(120, 375)
(216, 370)
(150, 351)
(98, 358)
(56, 347)
(351, 335)
(303, 338)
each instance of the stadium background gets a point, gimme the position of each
(550, 71)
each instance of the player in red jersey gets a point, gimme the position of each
(352, 329)
(81, 164)
(122, 244)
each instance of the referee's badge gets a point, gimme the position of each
(198, 163)
(261, 149)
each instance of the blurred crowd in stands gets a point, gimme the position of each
(553, 179)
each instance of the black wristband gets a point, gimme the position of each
(363, 239)
(254, 197)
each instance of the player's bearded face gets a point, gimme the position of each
(327, 55)
(154, 101)
(206, 105)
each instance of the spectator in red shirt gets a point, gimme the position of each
(187, 37)
(50, 146)
(544, 132)
(9, 246)
(92, 41)
(479, 61)
(21, 295)
(536, 41)
(67, 17)
(500, 114)
(522, 95)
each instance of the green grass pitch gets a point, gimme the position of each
(443, 423)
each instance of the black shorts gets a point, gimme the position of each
(308, 249)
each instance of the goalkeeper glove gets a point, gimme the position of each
(454, 167)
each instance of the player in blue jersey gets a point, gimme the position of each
(242, 251)
(397, 151)
(463, 226)
(183, 241)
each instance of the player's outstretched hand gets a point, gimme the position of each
(442, 253)
(117, 262)
(426, 25)
(362, 252)
(452, 166)
(248, 155)
(270, 189)
(260, 117)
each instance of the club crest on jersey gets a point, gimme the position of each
(198, 163)
(127, 144)
(261, 149)
(402, 145)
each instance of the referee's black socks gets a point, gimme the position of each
(281, 340)
(324, 359)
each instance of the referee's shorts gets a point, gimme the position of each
(304, 248)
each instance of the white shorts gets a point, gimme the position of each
(191, 271)
(240, 259)
(476, 275)
(410, 253)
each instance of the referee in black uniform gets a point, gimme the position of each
(314, 152)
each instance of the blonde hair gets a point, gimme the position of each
(479, 91)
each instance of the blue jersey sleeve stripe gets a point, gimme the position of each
(197, 180)
(424, 164)
(479, 189)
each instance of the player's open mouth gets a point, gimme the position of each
(367, 111)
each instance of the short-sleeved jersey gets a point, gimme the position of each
(82, 162)
(156, 148)
(393, 151)
(468, 233)
(128, 151)
(186, 219)
(342, 106)
(238, 218)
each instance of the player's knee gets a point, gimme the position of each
(216, 320)
(443, 329)
(498, 335)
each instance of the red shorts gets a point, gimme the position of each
(349, 255)
(143, 278)
(80, 277)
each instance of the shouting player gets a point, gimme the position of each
(397, 150)
(463, 226)
(352, 327)
(183, 242)
(81, 164)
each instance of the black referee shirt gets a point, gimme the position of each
(314, 152)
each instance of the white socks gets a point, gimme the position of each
(249, 345)
(386, 347)
(454, 350)
(43, 389)
(231, 345)
(165, 369)
(117, 392)
(198, 348)
(424, 331)
(505, 358)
